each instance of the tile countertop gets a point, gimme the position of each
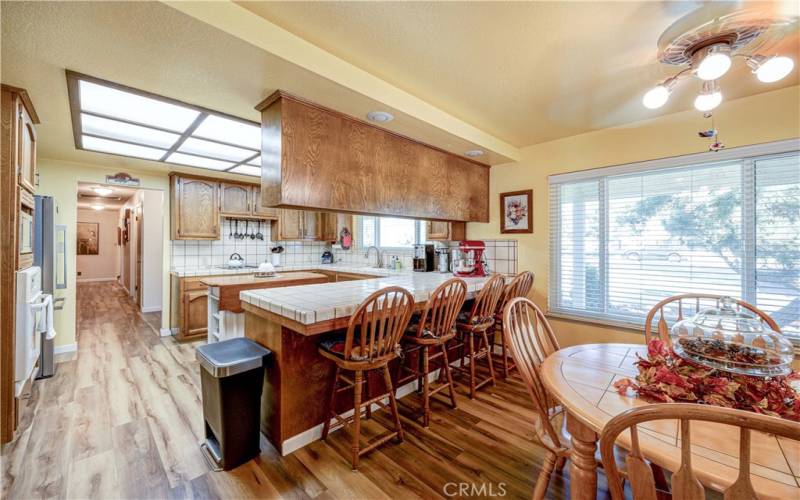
(182, 272)
(309, 304)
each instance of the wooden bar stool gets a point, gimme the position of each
(432, 333)
(371, 342)
(520, 286)
(476, 322)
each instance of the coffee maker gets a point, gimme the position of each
(468, 258)
(423, 258)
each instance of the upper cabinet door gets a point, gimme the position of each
(195, 209)
(26, 148)
(258, 209)
(437, 230)
(289, 225)
(312, 225)
(235, 199)
(330, 226)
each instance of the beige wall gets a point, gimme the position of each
(104, 265)
(757, 119)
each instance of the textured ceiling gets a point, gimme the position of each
(526, 72)
(153, 47)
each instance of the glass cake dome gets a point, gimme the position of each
(732, 340)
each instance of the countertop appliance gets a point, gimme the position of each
(49, 255)
(423, 257)
(327, 257)
(443, 259)
(468, 258)
(28, 339)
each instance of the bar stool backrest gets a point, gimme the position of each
(380, 322)
(440, 312)
(486, 301)
(520, 286)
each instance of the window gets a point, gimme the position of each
(624, 238)
(118, 120)
(390, 232)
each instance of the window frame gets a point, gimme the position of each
(747, 155)
(419, 227)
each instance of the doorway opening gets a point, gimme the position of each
(120, 238)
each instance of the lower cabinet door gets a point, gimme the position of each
(195, 314)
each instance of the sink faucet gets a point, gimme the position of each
(377, 254)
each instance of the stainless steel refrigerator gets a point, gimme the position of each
(49, 253)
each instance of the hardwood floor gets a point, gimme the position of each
(123, 419)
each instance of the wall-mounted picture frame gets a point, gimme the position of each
(516, 212)
(88, 238)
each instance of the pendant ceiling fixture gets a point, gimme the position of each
(707, 50)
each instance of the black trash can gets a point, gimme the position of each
(232, 376)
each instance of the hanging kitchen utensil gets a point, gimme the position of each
(253, 234)
(236, 232)
(246, 229)
(260, 235)
(230, 229)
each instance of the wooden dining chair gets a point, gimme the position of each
(372, 340)
(520, 286)
(530, 339)
(428, 338)
(685, 484)
(473, 326)
(689, 304)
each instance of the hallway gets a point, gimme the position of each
(123, 419)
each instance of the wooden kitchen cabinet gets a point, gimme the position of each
(195, 208)
(445, 231)
(312, 225)
(235, 200)
(189, 307)
(330, 226)
(289, 225)
(260, 211)
(26, 147)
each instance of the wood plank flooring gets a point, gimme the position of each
(123, 419)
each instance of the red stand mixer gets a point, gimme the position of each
(468, 259)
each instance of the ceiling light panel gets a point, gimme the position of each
(197, 161)
(230, 131)
(214, 149)
(247, 170)
(116, 103)
(120, 148)
(113, 129)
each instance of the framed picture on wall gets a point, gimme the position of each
(516, 212)
(88, 238)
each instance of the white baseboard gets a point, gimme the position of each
(61, 349)
(166, 332)
(90, 280)
(151, 309)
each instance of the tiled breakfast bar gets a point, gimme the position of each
(291, 321)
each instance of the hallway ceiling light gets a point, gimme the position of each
(474, 153)
(111, 118)
(102, 191)
(706, 40)
(98, 207)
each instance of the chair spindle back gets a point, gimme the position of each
(442, 307)
(381, 320)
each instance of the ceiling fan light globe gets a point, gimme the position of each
(656, 97)
(713, 66)
(707, 102)
(774, 69)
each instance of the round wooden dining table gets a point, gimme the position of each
(581, 378)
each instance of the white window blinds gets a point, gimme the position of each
(622, 238)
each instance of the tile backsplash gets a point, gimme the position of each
(501, 255)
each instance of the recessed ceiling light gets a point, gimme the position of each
(125, 132)
(120, 148)
(214, 149)
(473, 153)
(380, 116)
(198, 161)
(246, 170)
(98, 207)
(102, 191)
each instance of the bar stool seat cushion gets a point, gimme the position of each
(335, 345)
